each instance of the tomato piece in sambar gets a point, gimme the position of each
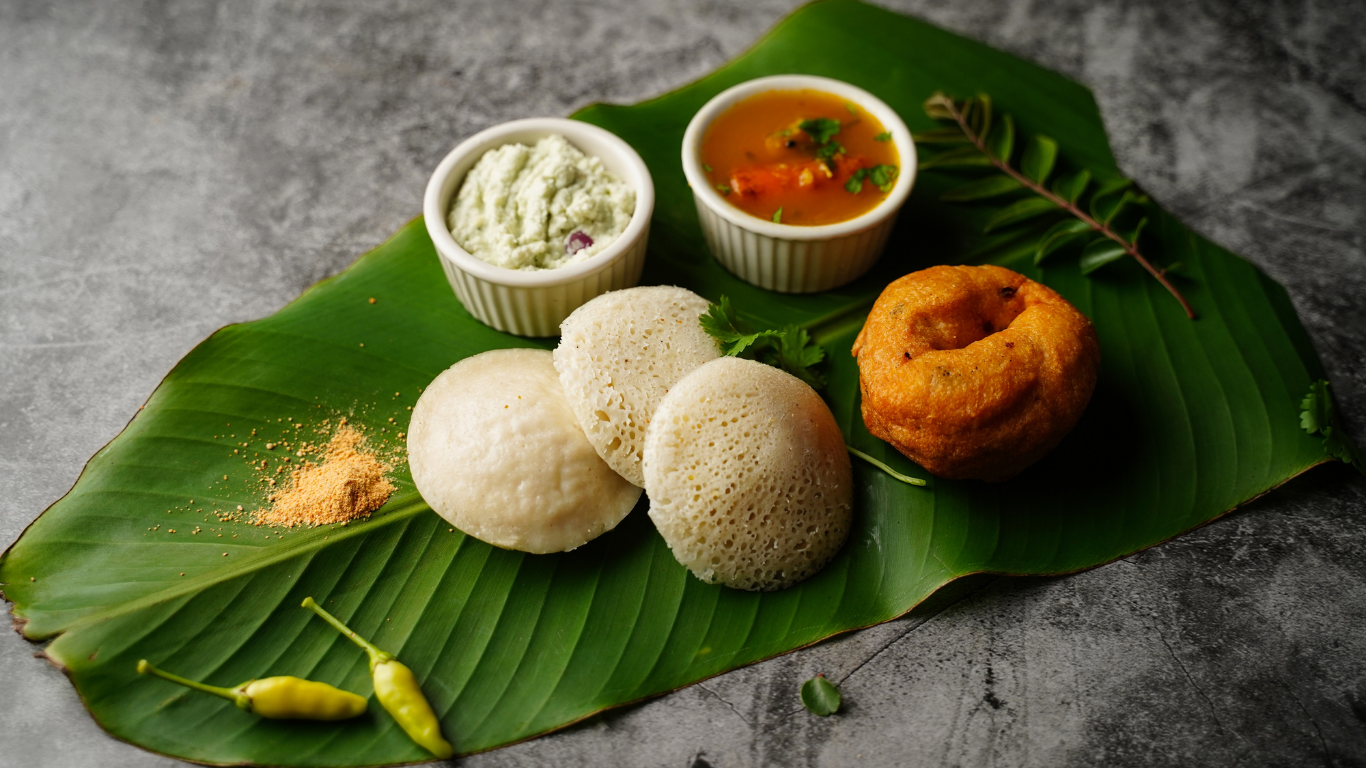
(799, 157)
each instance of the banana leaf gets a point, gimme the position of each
(1189, 420)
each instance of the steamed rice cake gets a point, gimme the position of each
(495, 450)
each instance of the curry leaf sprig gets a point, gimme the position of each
(1320, 417)
(984, 144)
(789, 348)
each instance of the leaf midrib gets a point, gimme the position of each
(402, 508)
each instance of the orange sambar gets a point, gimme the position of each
(762, 161)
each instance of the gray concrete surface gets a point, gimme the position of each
(170, 166)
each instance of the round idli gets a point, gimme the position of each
(748, 477)
(496, 451)
(619, 354)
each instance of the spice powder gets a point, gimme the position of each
(350, 483)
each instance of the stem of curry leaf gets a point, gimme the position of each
(1129, 248)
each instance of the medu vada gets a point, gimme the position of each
(974, 372)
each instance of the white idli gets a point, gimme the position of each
(748, 477)
(496, 451)
(619, 354)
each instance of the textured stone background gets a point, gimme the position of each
(170, 166)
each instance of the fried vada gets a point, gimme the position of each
(974, 372)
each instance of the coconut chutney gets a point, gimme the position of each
(538, 207)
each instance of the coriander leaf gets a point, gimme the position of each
(723, 189)
(790, 348)
(1320, 417)
(883, 176)
(706, 168)
(855, 182)
(821, 129)
(778, 215)
(723, 324)
(820, 696)
(796, 354)
(884, 136)
(827, 151)
(853, 110)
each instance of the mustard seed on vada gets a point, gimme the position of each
(974, 372)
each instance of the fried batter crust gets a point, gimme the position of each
(974, 372)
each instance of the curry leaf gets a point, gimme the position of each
(1037, 162)
(982, 116)
(940, 136)
(1003, 143)
(992, 186)
(1136, 231)
(1071, 188)
(1025, 209)
(938, 107)
(1059, 235)
(1105, 207)
(820, 696)
(961, 157)
(1109, 198)
(1100, 252)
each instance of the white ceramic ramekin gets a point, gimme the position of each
(785, 257)
(534, 303)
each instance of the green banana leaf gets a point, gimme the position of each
(1189, 420)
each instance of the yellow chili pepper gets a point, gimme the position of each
(397, 689)
(279, 698)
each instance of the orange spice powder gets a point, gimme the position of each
(348, 484)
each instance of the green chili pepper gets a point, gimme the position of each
(278, 698)
(397, 689)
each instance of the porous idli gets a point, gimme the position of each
(495, 449)
(748, 477)
(619, 354)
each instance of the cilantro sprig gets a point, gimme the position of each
(789, 348)
(1320, 417)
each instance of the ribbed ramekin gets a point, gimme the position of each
(534, 303)
(786, 257)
